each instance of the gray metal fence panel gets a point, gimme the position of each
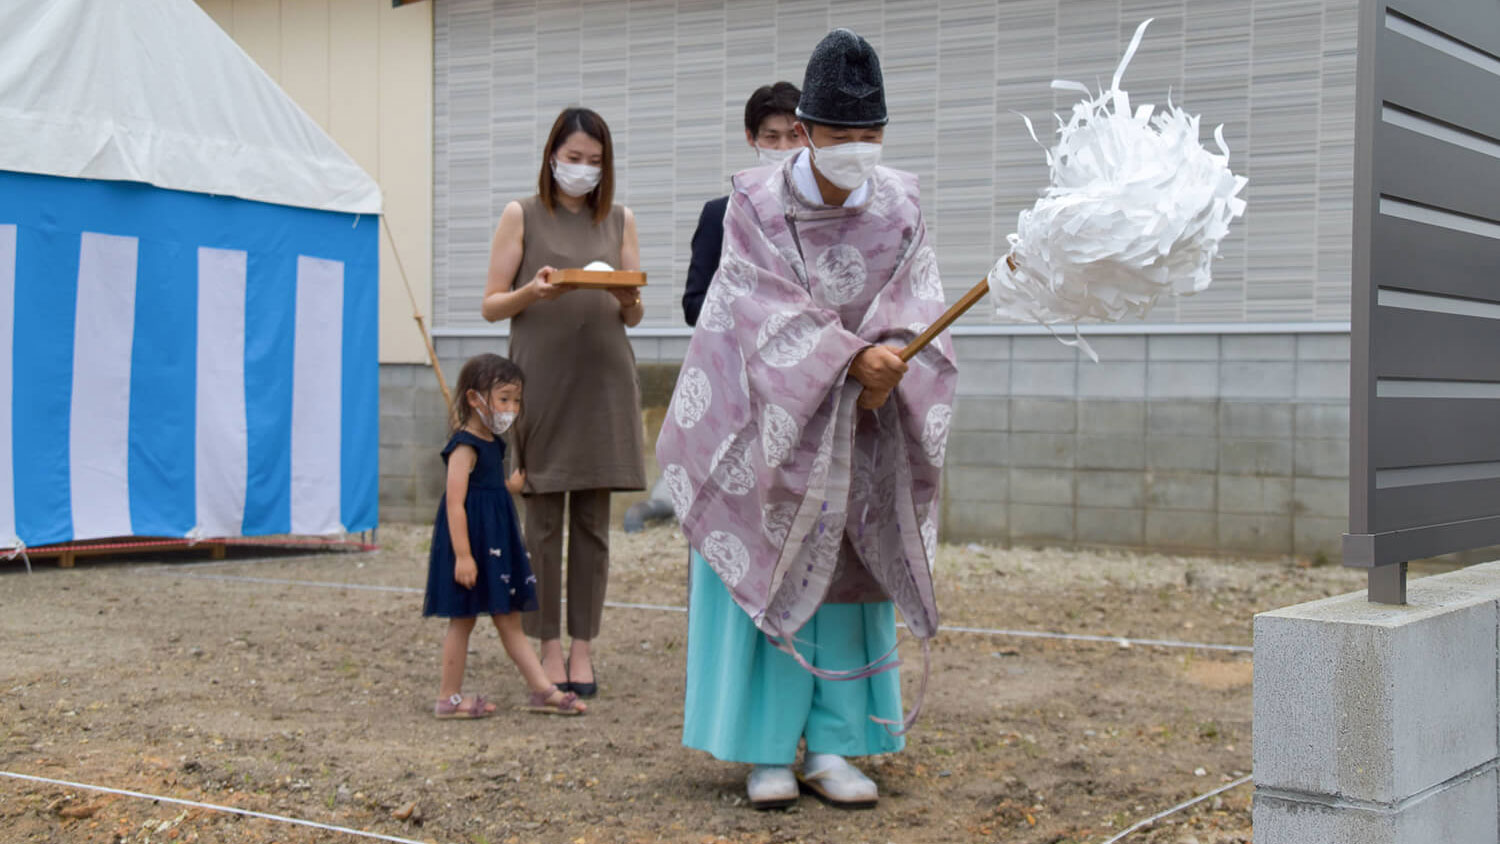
(1425, 371)
(1454, 431)
(1435, 260)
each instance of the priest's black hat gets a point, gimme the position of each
(843, 85)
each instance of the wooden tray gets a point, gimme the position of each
(599, 279)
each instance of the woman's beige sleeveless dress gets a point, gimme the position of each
(580, 422)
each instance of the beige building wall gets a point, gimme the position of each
(363, 71)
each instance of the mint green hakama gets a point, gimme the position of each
(749, 702)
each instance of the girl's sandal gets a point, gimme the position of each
(454, 707)
(542, 702)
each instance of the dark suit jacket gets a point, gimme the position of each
(708, 241)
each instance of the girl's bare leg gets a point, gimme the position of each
(519, 648)
(455, 656)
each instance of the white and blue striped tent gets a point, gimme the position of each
(188, 287)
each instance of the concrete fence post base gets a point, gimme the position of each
(1377, 724)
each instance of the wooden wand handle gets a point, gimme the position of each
(959, 308)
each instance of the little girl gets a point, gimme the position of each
(478, 562)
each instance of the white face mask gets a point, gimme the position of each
(502, 422)
(846, 165)
(576, 179)
(770, 155)
(498, 423)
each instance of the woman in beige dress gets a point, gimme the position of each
(579, 435)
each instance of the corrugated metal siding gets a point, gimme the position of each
(672, 78)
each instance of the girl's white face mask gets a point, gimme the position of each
(576, 179)
(846, 165)
(498, 423)
(771, 155)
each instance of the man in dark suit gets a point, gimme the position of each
(769, 114)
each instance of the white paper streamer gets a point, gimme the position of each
(1135, 209)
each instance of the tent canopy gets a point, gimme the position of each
(189, 287)
(153, 91)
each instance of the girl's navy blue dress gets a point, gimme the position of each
(505, 583)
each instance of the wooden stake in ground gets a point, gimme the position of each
(416, 314)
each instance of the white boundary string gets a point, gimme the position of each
(210, 806)
(207, 564)
(1114, 640)
(655, 607)
(983, 631)
(285, 581)
(1139, 825)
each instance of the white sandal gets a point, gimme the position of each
(832, 778)
(771, 786)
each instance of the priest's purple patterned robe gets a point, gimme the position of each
(792, 494)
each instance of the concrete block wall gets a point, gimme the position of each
(413, 429)
(1378, 724)
(1213, 443)
(1196, 443)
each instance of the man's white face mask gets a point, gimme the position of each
(576, 179)
(771, 155)
(846, 165)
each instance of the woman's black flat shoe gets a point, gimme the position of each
(583, 690)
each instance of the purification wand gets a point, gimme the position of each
(1135, 209)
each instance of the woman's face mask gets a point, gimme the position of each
(576, 179)
(846, 165)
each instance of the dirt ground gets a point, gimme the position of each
(293, 695)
